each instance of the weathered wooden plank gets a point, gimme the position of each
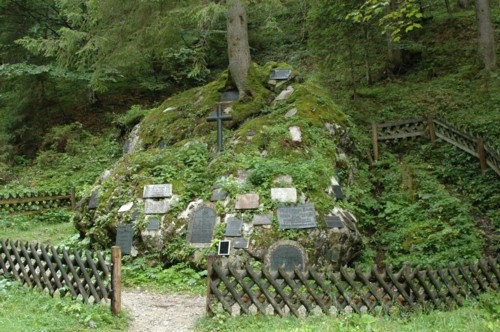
(458, 145)
(248, 291)
(295, 289)
(31, 269)
(326, 289)
(53, 273)
(230, 287)
(447, 126)
(343, 292)
(394, 278)
(97, 276)
(19, 262)
(34, 199)
(62, 270)
(401, 135)
(399, 123)
(86, 277)
(270, 298)
(304, 280)
(75, 275)
(43, 272)
(372, 290)
(279, 290)
(12, 264)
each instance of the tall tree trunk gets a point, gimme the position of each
(368, 69)
(464, 4)
(394, 57)
(486, 36)
(237, 46)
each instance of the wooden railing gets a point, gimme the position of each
(432, 128)
(244, 290)
(29, 203)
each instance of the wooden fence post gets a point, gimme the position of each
(432, 130)
(73, 199)
(482, 155)
(211, 260)
(375, 141)
(116, 280)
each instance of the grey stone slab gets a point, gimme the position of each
(126, 207)
(280, 74)
(201, 225)
(295, 134)
(334, 221)
(298, 216)
(247, 202)
(94, 199)
(153, 224)
(157, 191)
(339, 194)
(349, 220)
(124, 237)
(155, 207)
(284, 195)
(240, 243)
(262, 219)
(218, 195)
(233, 227)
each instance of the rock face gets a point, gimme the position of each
(184, 197)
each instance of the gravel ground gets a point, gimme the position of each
(154, 312)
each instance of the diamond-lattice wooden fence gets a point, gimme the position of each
(83, 275)
(36, 202)
(466, 141)
(245, 290)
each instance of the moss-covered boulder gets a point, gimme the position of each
(290, 142)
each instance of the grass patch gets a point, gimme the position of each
(480, 315)
(50, 227)
(22, 309)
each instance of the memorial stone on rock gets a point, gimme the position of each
(157, 191)
(201, 226)
(124, 236)
(334, 222)
(94, 199)
(155, 207)
(298, 216)
(286, 254)
(153, 224)
(280, 74)
(233, 227)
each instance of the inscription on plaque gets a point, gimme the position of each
(124, 236)
(153, 224)
(201, 226)
(286, 256)
(224, 248)
(299, 216)
(334, 221)
(229, 95)
(157, 191)
(262, 219)
(155, 207)
(280, 74)
(233, 227)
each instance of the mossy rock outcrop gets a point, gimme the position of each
(293, 142)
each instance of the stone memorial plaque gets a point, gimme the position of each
(155, 207)
(230, 95)
(218, 195)
(153, 224)
(287, 256)
(94, 199)
(157, 191)
(201, 225)
(224, 248)
(240, 243)
(299, 216)
(233, 227)
(280, 74)
(247, 202)
(124, 236)
(262, 219)
(339, 194)
(334, 221)
(284, 195)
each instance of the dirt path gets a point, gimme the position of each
(155, 312)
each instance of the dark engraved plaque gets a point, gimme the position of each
(94, 199)
(157, 191)
(224, 248)
(201, 226)
(154, 224)
(280, 74)
(124, 236)
(229, 95)
(299, 216)
(339, 194)
(287, 255)
(240, 243)
(334, 221)
(233, 227)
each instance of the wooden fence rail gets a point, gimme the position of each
(81, 274)
(431, 127)
(36, 202)
(245, 290)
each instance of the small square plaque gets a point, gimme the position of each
(153, 224)
(240, 243)
(155, 207)
(224, 248)
(334, 221)
(262, 219)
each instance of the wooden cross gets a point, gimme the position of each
(219, 117)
